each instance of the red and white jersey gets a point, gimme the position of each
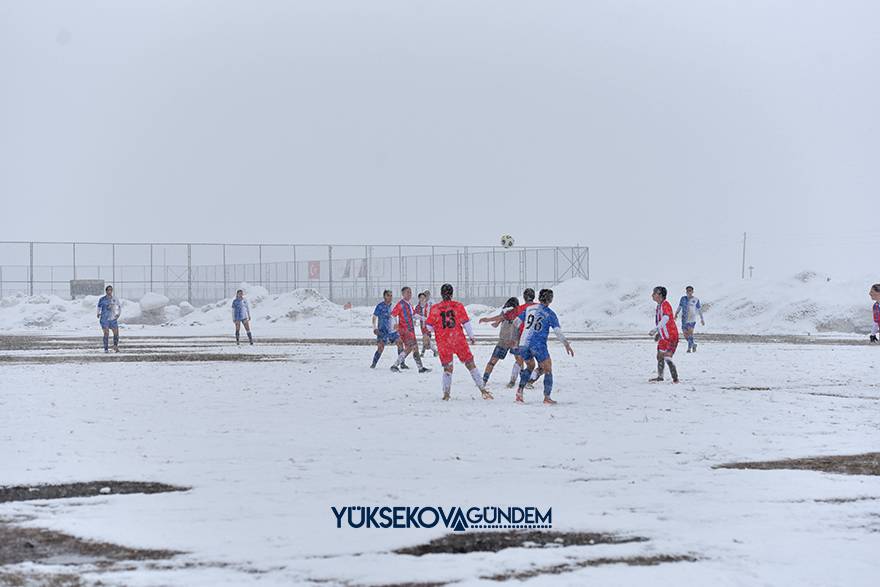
(447, 318)
(664, 318)
(514, 313)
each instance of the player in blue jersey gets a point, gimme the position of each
(538, 320)
(383, 327)
(241, 314)
(689, 307)
(874, 292)
(109, 310)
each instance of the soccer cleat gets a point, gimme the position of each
(549, 401)
(486, 395)
(519, 398)
(115, 349)
(423, 369)
(395, 368)
(695, 348)
(404, 366)
(373, 366)
(655, 379)
(445, 396)
(252, 343)
(106, 350)
(511, 384)
(689, 350)
(530, 385)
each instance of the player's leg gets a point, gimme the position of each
(106, 329)
(413, 345)
(380, 347)
(497, 354)
(446, 361)
(115, 328)
(518, 364)
(689, 335)
(247, 329)
(667, 357)
(237, 331)
(546, 367)
(468, 360)
(661, 364)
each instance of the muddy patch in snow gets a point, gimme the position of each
(863, 464)
(85, 489)
(496, 541)
(633, 561)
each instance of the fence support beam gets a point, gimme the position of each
(189, 273)
(330, 268)
(74, 261)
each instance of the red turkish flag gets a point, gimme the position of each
(314, 270)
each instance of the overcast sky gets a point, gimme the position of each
(655, 132)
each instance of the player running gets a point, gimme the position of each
(241, 314)
(383, 327)
(446, 320)
(874, 292)
(665, 333)
(689, 306)
(109, 310)
(538, 319)
(423, 309)
(406, 318)
(508, 337)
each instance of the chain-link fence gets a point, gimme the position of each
(205, 272)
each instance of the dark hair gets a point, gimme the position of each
(876, 287)
(404, 288)
(446, 291)
(108, 287)
(660, 290)
(422, 294)
(545, 296)
(240, 291)
(387, 292)
(689, 287)
(511, 303)
(529, 294)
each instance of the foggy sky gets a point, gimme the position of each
(655, 132)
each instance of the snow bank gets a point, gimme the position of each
(800, 304)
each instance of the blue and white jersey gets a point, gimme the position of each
(537, 321)
(383, 313)
(109, 308)
(690, 309)
(241, 310)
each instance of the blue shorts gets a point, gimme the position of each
(241, 318)
(500, 352)
(109, 323)
(387, 337)
(535, 350)
(688, 325)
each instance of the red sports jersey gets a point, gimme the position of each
(404, 312)
(446, 318)
(669, 331)
(877, 312)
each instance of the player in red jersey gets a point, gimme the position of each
(446, 321)
(665, 333)
(406, 318)
(874, 292)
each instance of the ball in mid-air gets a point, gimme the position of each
(506, 241)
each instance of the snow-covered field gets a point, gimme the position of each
(269, 446)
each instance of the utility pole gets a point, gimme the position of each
(744, 257)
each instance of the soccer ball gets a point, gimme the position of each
(506, 241)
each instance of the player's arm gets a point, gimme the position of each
(700, 311)
(469, 330)
(99, 308)
(557, 330)
(375, 323)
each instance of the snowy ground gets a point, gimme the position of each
(269, 446)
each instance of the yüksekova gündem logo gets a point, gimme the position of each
(455, 518)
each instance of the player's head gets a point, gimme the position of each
(422, 297)
(659, 294)
(529, 295)
(387, 295)
(689, 290)
(108, 290)
(545, 296)
(427, 293)
(875, 292)
(239, 294)
(510, 304)
(406, 292)
(446, 291)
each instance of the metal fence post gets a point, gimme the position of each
(260, 259)
(294, 267)
(330, 268)
(151, 266)
(74, 261)
(189, 276)
(433, 283)
(555, 264)
(31, 271)
(225, 286)
(588, 263)
(113, 268)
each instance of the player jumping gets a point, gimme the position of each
(241, 314)
(383, 327)
(665, 333)
(109, 310)
(446, 320)
(529, 297)
(406, 329)
(538, 320)
(874, 292)
(689, 306)
(508, 337)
